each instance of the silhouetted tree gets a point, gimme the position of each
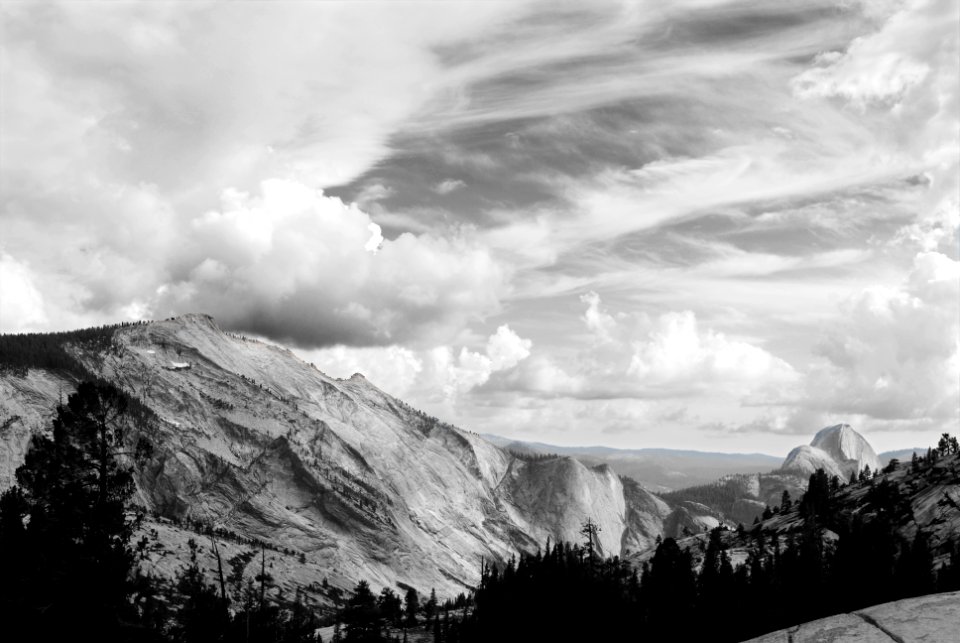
(590, 530)
(411, 605)
(202, 615)
(361, 616)
(390, 605)
(76, 567)
(430, 607)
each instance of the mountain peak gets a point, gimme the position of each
(839, 450)
(833, 432)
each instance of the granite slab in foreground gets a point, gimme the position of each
(928, 619)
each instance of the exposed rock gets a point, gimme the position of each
(838, 450)
(27, 405)
(251, 439)
(931, 619)
(688, 517)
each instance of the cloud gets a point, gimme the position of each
(448, 185)
(598, 322)
(294, 264)
(21, 306)
(879, 69)
(894, 355)
(882, 80)
(155, 162)
(133, 120)
(435, 377)
(676, 351)
(395, 369)
(170, 95)
(905, 77)
(642, 357)
(890, 362)
(373, 193)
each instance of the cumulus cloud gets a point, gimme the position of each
(394, 369)
(880, 69)
(436, 376)
(598, 322)
(889, 363)
(894, 355)
(677, 351)
(883, 78)
(644, 357)
(294, 264)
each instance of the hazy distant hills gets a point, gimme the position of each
(656, 469)
(670, 469)
(903, 455)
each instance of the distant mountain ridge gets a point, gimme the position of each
(657, 469)
(903, 455)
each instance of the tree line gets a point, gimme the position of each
(23, 351)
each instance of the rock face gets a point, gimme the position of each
(838, 450)
(250, 439)
(928, 618)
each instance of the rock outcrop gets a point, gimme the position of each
(838, 450)
(933, 618)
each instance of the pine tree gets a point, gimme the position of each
(390, 605)
(411, 605)
(76, 551)
(590, 530)
(670, 589)
(202, 614)
(362, 616)
(430, 607)
(785, 501)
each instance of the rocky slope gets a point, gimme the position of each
(930, 618)
(931, 503)
(731, 500)
(249, 439)
(739, 498)
(838, 450)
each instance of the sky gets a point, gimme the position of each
(703, 224)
